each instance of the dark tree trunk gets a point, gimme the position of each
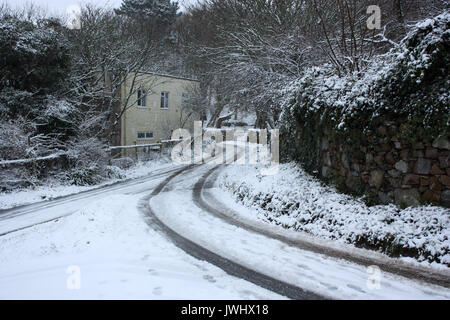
(399, 11)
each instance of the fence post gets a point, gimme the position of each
(137, 151)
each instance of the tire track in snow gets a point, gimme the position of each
(422, 274)
(229, 266)
(8, 214)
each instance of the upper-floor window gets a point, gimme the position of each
(164, 100)
(142, 98)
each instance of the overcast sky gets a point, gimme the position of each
(62, 6)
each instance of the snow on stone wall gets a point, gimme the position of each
(383, 133)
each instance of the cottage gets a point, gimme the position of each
(154, 106)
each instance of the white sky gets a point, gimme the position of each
(61, 6)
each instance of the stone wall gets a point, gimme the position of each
(386, 168)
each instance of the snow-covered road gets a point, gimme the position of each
(28, 215)
(315, 273)
(100, 241)
(98, 246)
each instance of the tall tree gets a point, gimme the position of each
(106, 51)
(158, 11)
(155, 20)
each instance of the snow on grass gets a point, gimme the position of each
(118, 255)
(295, 200)
(54, 188)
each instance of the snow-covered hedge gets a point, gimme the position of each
(410, 84)
(295, 200)
(39, 117)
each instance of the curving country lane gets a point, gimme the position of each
(228, 265)
(183, 204)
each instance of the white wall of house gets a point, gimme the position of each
(149, 119)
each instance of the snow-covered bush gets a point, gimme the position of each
(34, 54)
(123, 163)
(13, 139)
(35, 65)
(40, 115)
(89, 162)
(58, 118)
(295, 200)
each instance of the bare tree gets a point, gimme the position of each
(192, 105)
(246, 51)
(251, 47)
(108, 51)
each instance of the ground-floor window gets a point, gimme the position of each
(145, 135)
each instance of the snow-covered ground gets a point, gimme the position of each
(294, 200)
(100, 241)
(55, 189)
(107, 250)
(330, 277)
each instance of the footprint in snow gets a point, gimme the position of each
(209, 278)
(157, 291)
(152, 272)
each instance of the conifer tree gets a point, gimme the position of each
(160, 11)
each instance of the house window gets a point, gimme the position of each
(184, 99)
(164, 100)
(142, 98)
(145, 135)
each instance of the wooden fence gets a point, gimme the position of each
(159, 147)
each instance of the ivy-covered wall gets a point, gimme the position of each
(379, 164)
(383, 133)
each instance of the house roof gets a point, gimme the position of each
(169, 76)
